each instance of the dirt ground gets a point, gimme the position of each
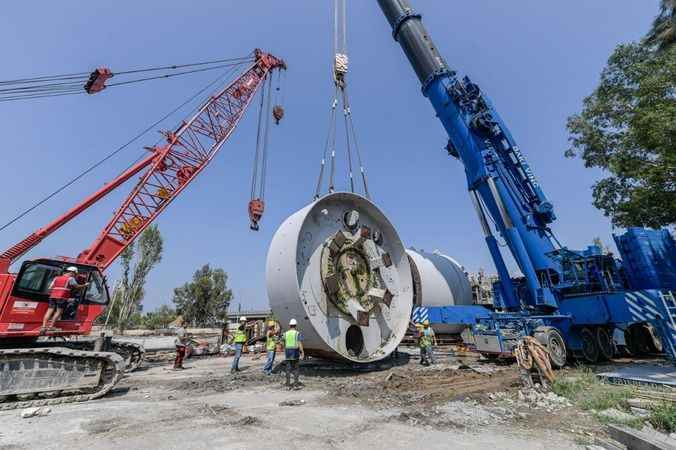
(398, 404)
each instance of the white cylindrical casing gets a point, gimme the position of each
(296, 289)
(439, 281)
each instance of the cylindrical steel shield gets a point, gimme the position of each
(338, 267)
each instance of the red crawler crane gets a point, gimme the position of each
(169, 168)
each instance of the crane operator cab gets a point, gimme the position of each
(22, 311)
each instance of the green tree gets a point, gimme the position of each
(160, 318)
(130, 291)
(628, 128)
(204, 301)
(663, 32)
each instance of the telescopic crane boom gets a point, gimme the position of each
(565, 295)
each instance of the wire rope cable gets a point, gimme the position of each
(362, 169)
(259, 131)
(340, 71)
(332, 121)
(348, 147)
(112, 154)
(74, 83)
(266, 139)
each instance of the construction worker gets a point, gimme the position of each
(270, 347)
(239, 341)
(293, 352)
(181, 342)
(426, 339)
(61, 291)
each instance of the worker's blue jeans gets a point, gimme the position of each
(426, 355)
(238, 354)
(268, 364)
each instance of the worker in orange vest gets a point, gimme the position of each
(61, 292)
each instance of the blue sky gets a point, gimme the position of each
(536, 60)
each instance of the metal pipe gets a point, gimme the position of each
(506, 219)
(511, 303)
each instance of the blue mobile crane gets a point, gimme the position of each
(572, 301)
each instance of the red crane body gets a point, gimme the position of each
(169, 168)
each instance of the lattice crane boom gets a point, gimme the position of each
(169, 169)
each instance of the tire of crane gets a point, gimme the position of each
(639, 340)
(604, 342)
(590, 349)
(654, 341)
(552, 338)
(631, 342)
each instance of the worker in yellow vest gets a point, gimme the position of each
(239, 339)
(270, 347)
(293, 352)
(426, 340)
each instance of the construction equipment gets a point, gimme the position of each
(573, 301)
(97, 80)
(438, 281)
(34, 372)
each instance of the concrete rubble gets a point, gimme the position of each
(617, 416)
(532, 398)
(35, 412)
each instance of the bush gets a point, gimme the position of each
(605, 397)
(586, 391)
(161, 318)
(571, 387)
(663, 417)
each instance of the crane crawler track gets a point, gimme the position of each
(133, 354)
(55, 375)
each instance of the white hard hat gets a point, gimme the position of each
(72, 269)
(292, 322)
(242, 319)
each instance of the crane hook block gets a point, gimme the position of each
(97, 80)
(256, 209)
(278, 113)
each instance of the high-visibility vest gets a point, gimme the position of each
(425, 338)
(271, 343)
(291, 339)
(60, 289)
(240, 336)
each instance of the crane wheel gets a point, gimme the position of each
(590, 349)
(641, 340)
(604, 341)
(551, 338)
